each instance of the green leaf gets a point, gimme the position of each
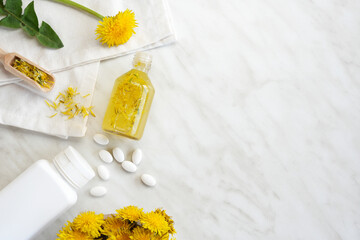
(30, 21)
(14, 6)
(2, 8)
(2, 12)
(10, 22)
(13, 10)
(48, 37)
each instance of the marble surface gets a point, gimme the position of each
(254, 132)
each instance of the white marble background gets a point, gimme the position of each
(254, 131)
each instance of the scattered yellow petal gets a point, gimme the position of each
(92, 113)
(48, 103)
(66, 104)
(53, 115)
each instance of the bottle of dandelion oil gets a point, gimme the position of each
(130, 100)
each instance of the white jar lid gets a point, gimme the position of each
(73, 167)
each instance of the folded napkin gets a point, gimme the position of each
(77, 31)
(30, 111)
(77, 63)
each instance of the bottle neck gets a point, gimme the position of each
(142, 62)
(142, 67)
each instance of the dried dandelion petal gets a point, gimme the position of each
(53, 115)
(33, 73)
(68, 106)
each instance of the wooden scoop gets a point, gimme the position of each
(8, 59)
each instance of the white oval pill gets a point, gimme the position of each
(98, 191)
(129, 166)
(101, 139)
(136, 156)
(148, 180)
(118, 155)
(103, 172)
(105, 156)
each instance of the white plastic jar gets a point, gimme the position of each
(41, 193)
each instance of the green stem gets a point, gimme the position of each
(76, 5)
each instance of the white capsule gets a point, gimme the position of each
(98, 191)
(105, 156)
(118, 155)
(128, 166)
(136, 156)
(101, 139)
(148, 180)
(103, 172)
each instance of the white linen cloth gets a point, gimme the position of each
(29, 111)
(76, 64)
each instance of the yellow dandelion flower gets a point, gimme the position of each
(140, 233)
(161, 237)
(131, 213)
(53, 115)
(155, 222)
(68, 233)
(114, 30)
(168, 219)
(119, 236)
(118, 29)
(115, 225)
(89, 223)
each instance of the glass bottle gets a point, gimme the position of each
(130, 100)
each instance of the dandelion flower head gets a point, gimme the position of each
(115, 225)
(140, 233)
(89, 223)
(131, 213)
(118, 29)
(67, 233)
(155, 222)
(119, 236)
(168, 219)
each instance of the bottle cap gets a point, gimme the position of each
(73, 167)
(142, 61)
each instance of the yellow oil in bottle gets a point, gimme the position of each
(130, 100)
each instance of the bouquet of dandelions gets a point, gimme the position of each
(129, 223)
